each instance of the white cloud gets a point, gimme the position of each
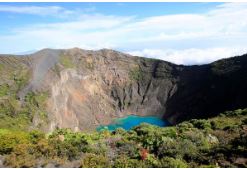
(182, 38)
(90, 23)
(36, 10)
(190, 56)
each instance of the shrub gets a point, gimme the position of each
(129, 149)
(97, 148)
(79, 140)
(187, 150)
(95, 161)
(22, 156)
(237, 112)
(120, 131)
(35, 136)
(126, 162)
(185, 126)
(151, 136)
(201, 124)
(64, 149)
(9, 140)
(168, 148)
(223, 122)
(244, 121)
(213, 125)
(169, 162)
(179, 148)
(46, 149)
(151, 161)
(197, 138)
(105, 133)
(144, 146)
(169, 132)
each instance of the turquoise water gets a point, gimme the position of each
(130, 121)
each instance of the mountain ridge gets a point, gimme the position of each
(88, 88)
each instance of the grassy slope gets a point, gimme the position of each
(14, 115)
(14, 75)
(219, 141)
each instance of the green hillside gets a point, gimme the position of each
(216, 142)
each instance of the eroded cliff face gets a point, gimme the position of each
(90, 88)
(99, 86)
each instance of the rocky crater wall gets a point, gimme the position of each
(89, 88)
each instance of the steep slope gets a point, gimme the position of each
(88, 88)
(205, 90)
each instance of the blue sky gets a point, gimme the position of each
(183, 33)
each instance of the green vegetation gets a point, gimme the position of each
(36, 104)
(136, 74)
(169, 162)
(66, 61)
(225, 66)
(4, 89)
(13, 115)
(215, 142)
(17, 116)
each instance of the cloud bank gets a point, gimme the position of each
(191, 56)
(182, 38)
